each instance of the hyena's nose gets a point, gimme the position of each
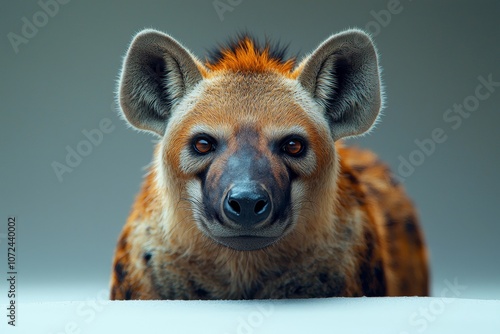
(247, 205)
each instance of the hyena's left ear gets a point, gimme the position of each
(342, 75)
(157, 73)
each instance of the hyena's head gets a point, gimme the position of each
(247, 137)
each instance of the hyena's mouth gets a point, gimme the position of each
(243, 239)
(246, 243)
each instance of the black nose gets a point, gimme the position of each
(247, 205)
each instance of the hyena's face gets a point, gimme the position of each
(248, 138)
(247, 146)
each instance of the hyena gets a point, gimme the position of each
(251, 193)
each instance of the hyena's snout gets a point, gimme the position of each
(247, 204)
(250, 217)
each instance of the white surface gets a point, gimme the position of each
(331, 315)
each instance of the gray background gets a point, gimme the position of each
(62, 82)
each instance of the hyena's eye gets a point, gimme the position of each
(204, 144)
(293, 146)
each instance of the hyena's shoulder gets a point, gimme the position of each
(130, 267)
(135, 249)
(392, 215)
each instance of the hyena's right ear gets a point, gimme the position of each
(342, 75)
(157, 72)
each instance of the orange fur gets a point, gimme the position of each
(248, 58)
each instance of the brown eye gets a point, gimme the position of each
(293, 147)
(203, 145)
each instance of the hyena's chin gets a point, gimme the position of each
(243, 239)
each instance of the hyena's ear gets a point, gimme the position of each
(157, 72)
(342, 75)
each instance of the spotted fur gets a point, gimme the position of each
(345, 226)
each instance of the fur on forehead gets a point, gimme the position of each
(244, 53)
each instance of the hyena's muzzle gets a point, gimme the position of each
(245, 194)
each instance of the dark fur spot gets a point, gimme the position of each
(372, 190)
(323, 277)
(393, 226)
(336, 286)
(128, 294)
(370, 244)
(359, 168)
(389, 221)
(147, 256)
(360, 199)
(347, 233)
(253, 291)
(410, 226)
(122, 244)
(372, 278)
(299, 291)
(351, 177)
(371, 273)
(120, 273)
(201, 293)
(411, 229)
(378, 274)
(356, 192)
